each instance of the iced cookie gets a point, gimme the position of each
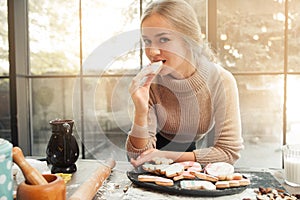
(219, 169)
(197, 185)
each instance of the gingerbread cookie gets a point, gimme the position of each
(222, 184)
(197, 185)
(156, 179)
(173, 170)
(184, 175)
(160, 160)
(219, 169)
(204, 176)
(164, 182)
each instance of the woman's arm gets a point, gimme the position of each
(138, 139)
(228, 139)
(141, 138)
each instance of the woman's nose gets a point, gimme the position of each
(154, 51)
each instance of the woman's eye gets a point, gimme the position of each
(163, 40)
(147, 42)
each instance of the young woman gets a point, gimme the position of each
(191, 96)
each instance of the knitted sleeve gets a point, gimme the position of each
(228, 139)
(133, 152)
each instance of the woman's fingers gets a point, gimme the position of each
(142, 79)
(146, 156)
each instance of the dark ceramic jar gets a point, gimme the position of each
(62, 150)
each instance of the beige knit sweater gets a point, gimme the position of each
(186, 110)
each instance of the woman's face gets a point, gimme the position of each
(163, 43)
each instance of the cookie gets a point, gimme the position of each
(177, 178)
(204, 176)
(197, 185)
(148, 167)
(156, 179)
(206, 185)
(164, 181)
(161, 160)
(188, 164)
(155, 169)
(237, 176)
(184, 175)
(161, 169)
(147, 178)
(174, 170)
(244, 182)
(194, 169)
(234, 183)
(219, 169)
(222, 184)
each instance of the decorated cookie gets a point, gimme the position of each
(184, 175)
(148, 178)
(204, 176)
(188, 164)
(160, 160)
(219, 169)
(174, 170)
(244, 182)
(164, 182)
(222, 184)
(197, 185)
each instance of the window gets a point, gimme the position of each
(5, 131)
(293, 71)
(67, 81)
(83, 55)
(251, 44)
(250, 38)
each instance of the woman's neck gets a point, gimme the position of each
(184, 71)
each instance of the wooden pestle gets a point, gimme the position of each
(32, 175)
(90, 187)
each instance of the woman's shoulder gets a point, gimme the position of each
(218, 73)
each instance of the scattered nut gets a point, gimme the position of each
(274, 194)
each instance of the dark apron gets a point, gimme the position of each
(166, 145)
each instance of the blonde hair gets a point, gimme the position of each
(183, 18)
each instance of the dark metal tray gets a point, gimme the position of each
(175, 189)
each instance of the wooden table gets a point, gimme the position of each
(118, 186)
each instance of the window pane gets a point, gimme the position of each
(293, 110)
(251, 35)
(52, 99)
(294, 36)
(54, 37)
(5, 131)
(4, 64)
(107, 116)
(261, 100)
(110, 31)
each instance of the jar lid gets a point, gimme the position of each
(5, 146)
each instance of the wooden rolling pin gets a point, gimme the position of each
(90, 187)
(32, 175)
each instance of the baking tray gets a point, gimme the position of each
(175, 189)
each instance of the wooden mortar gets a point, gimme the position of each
(37, 186)
(55, 189)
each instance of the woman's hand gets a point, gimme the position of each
(139, 90)
(146, 156)
(149, 154)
